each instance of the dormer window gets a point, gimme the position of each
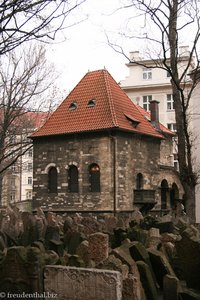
(134, 122)
(91, 103)
(73, 105)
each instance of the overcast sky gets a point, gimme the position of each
(86, 46)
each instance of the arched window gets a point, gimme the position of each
(94, 172)
(52, 180)
(139, 181)
(164, 193)
(174, 195)
(73, 179)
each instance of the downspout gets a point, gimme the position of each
(113, 138)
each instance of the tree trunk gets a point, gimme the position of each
(187, 175)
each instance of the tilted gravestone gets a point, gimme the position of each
(188, 250)
(81, 283)
(20, 271)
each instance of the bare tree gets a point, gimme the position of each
(165, 25)
(25, 20)
(24, 78)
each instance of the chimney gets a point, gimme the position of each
(134, 56)
(154, 109)
(184, 51)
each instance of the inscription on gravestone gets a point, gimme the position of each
(79, 283)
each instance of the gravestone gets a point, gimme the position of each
(110, 223)
(132, 289)
(83, 252)
(160, 264)
(188, 250)
(20, 271)
(80, 283)
(147, 281)
(170, 288)
(115, 264)
(98, 246)
(153, 238)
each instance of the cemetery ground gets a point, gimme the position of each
(121, 257)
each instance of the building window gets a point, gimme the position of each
(170, 102)
(94, 173)
(14, 168)
(139, 181)
(29, 195)
(164, 194)
(146, 102)
(52, 180)
(73, 179)
(176, 164)
(73, 105)
(171, 126)
(30, 167)
(30, 153)
(147, 73)
(91, 103)
(12, 183)
(30, 180)
(12, 197)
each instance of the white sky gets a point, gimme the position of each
(86, 47)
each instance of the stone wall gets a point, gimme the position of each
(81, 152)
(120, 157)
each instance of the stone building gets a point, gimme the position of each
(99, 152)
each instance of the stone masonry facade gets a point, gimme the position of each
(120, 156)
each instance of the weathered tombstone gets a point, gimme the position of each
(75, 238)
(115, 264)
(90, 225)
(153, 239)
(20, 271)
(119, 235)
(123, 253)
(147, 281)
(138, 234)
(98, 246)
(188, 294)
(160, 265)
(80, 283)
(137, 215)
(83, 252)
(165, 226)
(110, 223)
(30, 233)
(75, 261)
(132, 289)
(170, 287)
(188, 250)
(139, 253)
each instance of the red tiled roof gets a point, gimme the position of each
(110, 110)
(26, 119)
(37, 118)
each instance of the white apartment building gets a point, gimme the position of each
(152, 83)
(18, 179)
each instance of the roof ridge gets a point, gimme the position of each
(110, 98)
